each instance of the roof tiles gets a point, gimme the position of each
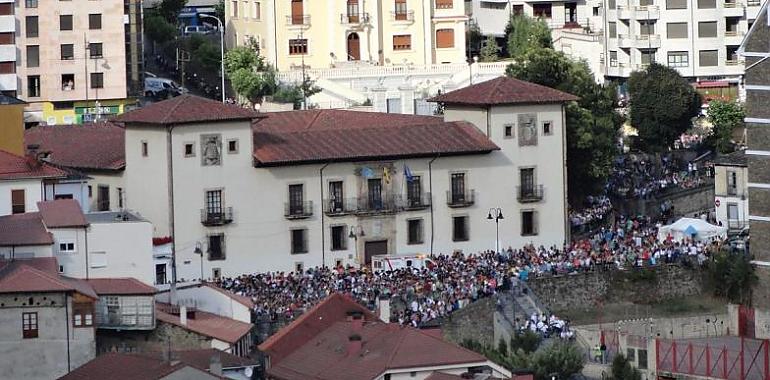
(120, 286)
(95, 146)
(504, 90)
(211, 325)
(186, 109)
(18, 167)
(62, 213)
(23, 230)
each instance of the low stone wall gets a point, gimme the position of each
(644, 286)
(475, 321)
(685, 202)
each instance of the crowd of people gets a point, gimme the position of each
(449, 282)
(638, 176)
(592, 215)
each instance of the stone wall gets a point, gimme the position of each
(685, 202)
(475, 321)
(164, 336)
(642, 286)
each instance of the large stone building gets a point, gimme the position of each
(322, 34)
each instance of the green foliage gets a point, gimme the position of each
(169, 9)
(253, 85)
(662, 106)
(592, 123)
(489, 51)
(158, 29)
(207, 55)
(526, 341)
(243, 58)
(725, 117)
(561, 360)
(474, 37)
(732, 276)
(502, 347)
(525, 34)
(219, 10)
(623, 370)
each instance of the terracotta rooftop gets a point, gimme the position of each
(301, 137)
(120, 286)
(186, 109)
(95, 146)
(119, 366)
(23, 230)
(503, 90)
(18, 167)
(737, 158)
(207, 324)
(25, 276)
(62, 213)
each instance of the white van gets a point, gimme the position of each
(391, 262)
(162, 88)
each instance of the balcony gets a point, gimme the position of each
(732, 4)
(641, 41)
(354, 18)
(125, 313)
(221, 217)
(418, 202)
(382, 205)
(529, 194)
(8, 82)
(340, 207)
(7, 53)
(458, 200)
(647, 12)
(7, 24)
(298, 20)
(624, 12)
(406, 16)
(298, 210)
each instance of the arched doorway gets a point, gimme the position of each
(354, 47)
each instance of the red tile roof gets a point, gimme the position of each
(19, 277)
(299, 137)
(45, 264)
(23, 230)
(319, 318)
(504, 90)
(118, 366)
(62, 213)
(211, 325)
(18, 167)
(186, 109)
(95, 146)
(120, 286)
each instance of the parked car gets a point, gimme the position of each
(196, 29)
(162, 88)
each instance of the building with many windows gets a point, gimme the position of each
(242, 192)
(731, 190)
(322, 34)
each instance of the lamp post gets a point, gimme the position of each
(221, 50)
(355, 236)
(199, 251)
(496, 213)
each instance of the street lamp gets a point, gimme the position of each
(498, 215)
(221, 49)
(199, 251)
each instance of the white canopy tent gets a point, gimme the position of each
(689, 228)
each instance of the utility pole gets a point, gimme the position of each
(182, 57)
(86, 48)
(304, 79)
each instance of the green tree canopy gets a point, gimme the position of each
(732, 276)
(525, 33)
(243, 58)
(725, 117)
(592, 123)
(158, 29)
(489, 53)
(662, 106)
(169, 9)
(623, 370)
(561, 359)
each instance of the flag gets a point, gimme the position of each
(408, 174)
(386, 174)
(367, 172)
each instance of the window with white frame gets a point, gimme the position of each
(66, 246)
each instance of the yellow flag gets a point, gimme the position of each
(386, 174)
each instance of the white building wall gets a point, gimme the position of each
(211, 301)
(114, 181)
(78, 190)
(146, 177)
(73, 263)
(26, 252)
(127, 250)
(33, 193)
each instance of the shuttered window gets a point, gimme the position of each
(676, 4)
(402, 42)
(707, 29)
(708, 58)
(17, 201)
(445, 38)
(444, 4)
(707, 4)
(676, 30)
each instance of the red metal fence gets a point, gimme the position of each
(729, 358)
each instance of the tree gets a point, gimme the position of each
(219, 10)
(622, 369)
(592, 123)
(724, 117)
(243, 58)
(169, 9)
(489, 50)
(732, 276)
(662, 105)
(474, 37)
(158, 29)
(250, 77)
(560, 359)
(525, 33)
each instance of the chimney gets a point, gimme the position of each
(354, 344)
(215, 365)
(183, 315)
(32, 158)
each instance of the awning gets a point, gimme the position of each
(712, 84)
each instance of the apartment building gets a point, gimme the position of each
(8, 85)
(492, 15)
(72, 58)
(323, 34)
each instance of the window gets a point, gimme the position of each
(444, 4)
(402, 42)
(257, 10)
(217, 247)
(508, 131)
(339, 238)
(641, 358)
(65, 22)
(144, 149)
(400, 13)
(298, 241)
(707, 29)
(707, 4)
(336, 195)
(457, 183)
(94, 21)
(547, 128)
(67, 52)
(30, 3)
(7, 67)
(97, 80)
(678, 59)
(214, 204)
(232, 146)
(676, 30)
(18, 202)
(296, 198)
(7, 38)
(95, 50)
(97, 259)
(414, 231)
(445, 38)
(299, 267)
(29, 325)
(732, 182)
(676, 4)
(646, 28)
(613, 29)
(297, 12)
(647, 56)
(528, 223)
(414, 192)
(189, 150)
(120, 198)
(374, 188)
(518, 10)
(541, 10)
(67, 82)
(527, 182)
(708, 58)
(67, 247)
(82, 314)
(33, 56)
(460, 228)
(103, 198)
(298, 46)
(234, 10)
(31, 26)
(631, 354)
(613, 58)
(596, 11)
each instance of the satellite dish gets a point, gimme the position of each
(248, 372)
